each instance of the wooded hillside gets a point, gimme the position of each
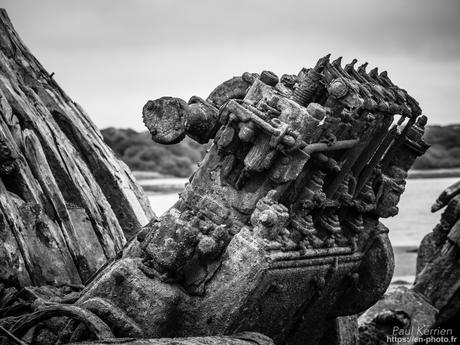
(140, 152)
(444, 152)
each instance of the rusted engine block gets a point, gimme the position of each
(278, 230)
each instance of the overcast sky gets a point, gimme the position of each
(111, 56)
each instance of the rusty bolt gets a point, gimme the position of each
(269, 78)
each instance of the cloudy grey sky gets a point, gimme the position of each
(111, 56)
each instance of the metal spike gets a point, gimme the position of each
(374, 73)
(337, 62)
(362, 68)
(321, 63)
(362, 72)
(349, 67)
(384, 77)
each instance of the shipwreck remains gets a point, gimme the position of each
(430, 308)
(277, 232)
(67, 205)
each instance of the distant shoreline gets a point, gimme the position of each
(413, 174)
(434, 173)
(149, 175)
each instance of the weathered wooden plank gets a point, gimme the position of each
(67, 202)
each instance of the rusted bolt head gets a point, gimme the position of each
(317, 111)
(269, 78)
(289, 80)
(338, 89)
(207, 247)
(246, 132)
(268, 218)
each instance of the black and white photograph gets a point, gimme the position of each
(209, 172)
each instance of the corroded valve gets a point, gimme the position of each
(169, 119)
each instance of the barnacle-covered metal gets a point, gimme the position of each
(278, 230)
(332, 145)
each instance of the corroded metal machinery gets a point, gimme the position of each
(429, 310)
(278, 230)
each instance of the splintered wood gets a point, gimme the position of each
(67, 205)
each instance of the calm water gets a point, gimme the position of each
(406, 229)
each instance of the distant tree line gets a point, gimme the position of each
(444, 152)
(139, 152)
